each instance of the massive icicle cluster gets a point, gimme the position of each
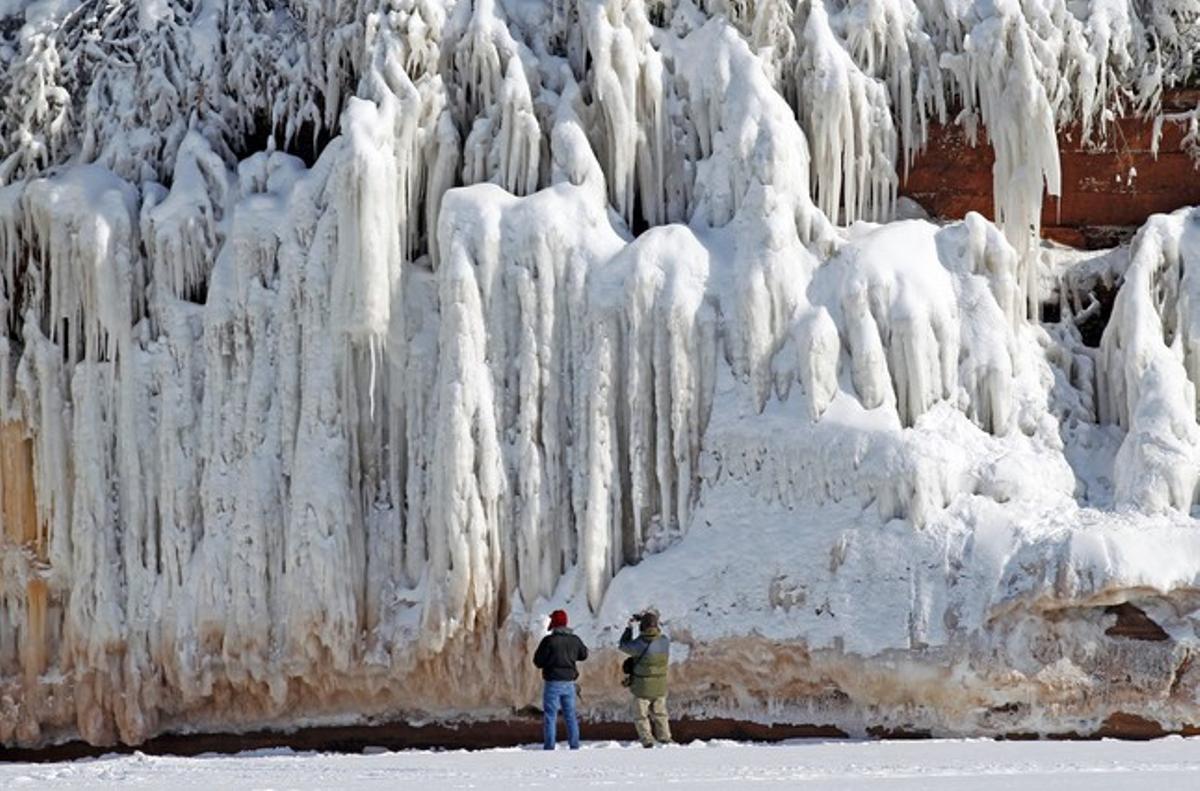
(344, 336)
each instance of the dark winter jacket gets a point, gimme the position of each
(557, 654)
(650, 672)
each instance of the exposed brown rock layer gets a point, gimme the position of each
(1106, 188)
(1134, 624)
(1074, 671)
(26, 541)
(17, 504)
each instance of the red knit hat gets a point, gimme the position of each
(558, 619)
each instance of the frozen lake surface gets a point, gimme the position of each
(962, 765)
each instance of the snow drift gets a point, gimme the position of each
(342, 341)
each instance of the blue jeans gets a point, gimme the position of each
(558, 694)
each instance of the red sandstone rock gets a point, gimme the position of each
(951, 177)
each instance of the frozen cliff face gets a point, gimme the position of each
(341, 341)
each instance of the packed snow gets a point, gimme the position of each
(891, 766)
(351, 338)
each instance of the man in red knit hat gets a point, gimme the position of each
(556, 656)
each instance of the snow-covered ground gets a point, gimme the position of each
(974, 765)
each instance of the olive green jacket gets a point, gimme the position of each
(650, 672)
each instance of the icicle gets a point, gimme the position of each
(615, 85)
(1147, 354)
(998, 70)
(84, 221)
(850, 125)
(744, 130)
(367, 247)
(518, 139)
(180, 230)
(467, 479)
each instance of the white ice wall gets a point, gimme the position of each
(314, 432)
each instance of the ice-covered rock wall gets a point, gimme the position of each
(342, 339)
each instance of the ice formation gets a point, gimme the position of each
(343, 339)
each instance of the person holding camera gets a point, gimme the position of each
(556, 656)
(646, 677)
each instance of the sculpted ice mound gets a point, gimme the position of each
(342, 341)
